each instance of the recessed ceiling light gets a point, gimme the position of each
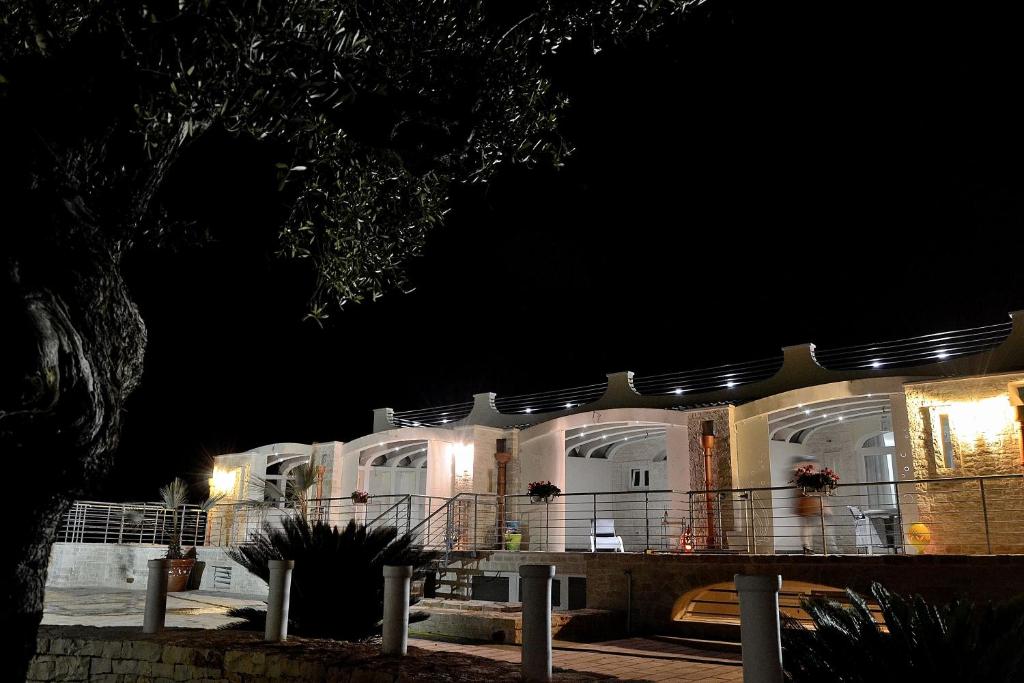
(678, 391)
(529, 410)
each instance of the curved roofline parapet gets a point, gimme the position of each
(799, 369)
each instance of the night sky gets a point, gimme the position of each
(776, 175)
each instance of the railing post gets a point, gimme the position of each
(277, 601)
(984, 513)
(593, 528)
(536, 599)
(647, 525)
(106, 524)
(408, 514)
(693, 532)
(156, 596)
(476, 518)
(748, 518)
(720, 531)
(821, 516)
(759, 627)
(899, 522)
(396, 610)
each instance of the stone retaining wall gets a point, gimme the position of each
(74, 565)
(659, 581)
(125, 655)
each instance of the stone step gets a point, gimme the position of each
(701, 643)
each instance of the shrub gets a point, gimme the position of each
(337, 588)
(962, 641)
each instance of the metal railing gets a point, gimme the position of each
(89, 521)
(956, 515)
(235, 523)
(927, 348)
(962, 515)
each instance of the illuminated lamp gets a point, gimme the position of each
(919, 536)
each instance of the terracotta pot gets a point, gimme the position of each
(178, 573)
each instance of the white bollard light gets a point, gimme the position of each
(536, 598)
(277, 601)
(396, 610)
(760, 634)
(156, 597)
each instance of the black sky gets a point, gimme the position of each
(808, 172)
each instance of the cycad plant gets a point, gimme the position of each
(337, 588)
(961, 641)
(174, 496)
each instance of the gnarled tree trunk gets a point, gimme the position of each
(74, 348)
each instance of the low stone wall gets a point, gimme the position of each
(123, 655)
(659, 581)
(502, 622)
(75, 565)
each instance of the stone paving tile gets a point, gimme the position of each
(633, 667)
(632, 659)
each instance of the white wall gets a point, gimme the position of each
(77, 565)
(637, 517)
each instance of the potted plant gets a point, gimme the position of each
(174, 497)
(360, 497)
(542, 491)
(812, 482)
(513, 535)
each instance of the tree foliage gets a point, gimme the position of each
(337, 588)
(372, 110)
(962, 641)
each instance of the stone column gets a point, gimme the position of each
(536, 598)
(277, 601)
(396, 610)
(156, 596)
(760, 635)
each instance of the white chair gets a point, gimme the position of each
(863, 533)
(602, 536)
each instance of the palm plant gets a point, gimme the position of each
(962, 641)
(337, 588)
(174, 497)
(296, 490)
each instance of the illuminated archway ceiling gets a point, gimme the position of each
(797, 423)
(408, 453)
(602, 441)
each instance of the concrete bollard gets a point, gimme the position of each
(760, 635)
(156, 597)
(396, 610)
(277, 602)
(536, 598)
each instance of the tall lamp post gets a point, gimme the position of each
(707, 442)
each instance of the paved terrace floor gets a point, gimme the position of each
(633, 659)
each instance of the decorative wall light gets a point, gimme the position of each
(223, 482)
(462, 460)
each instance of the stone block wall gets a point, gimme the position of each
(125, 655)
(985, 440)
(659, 581)
(723, 475)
